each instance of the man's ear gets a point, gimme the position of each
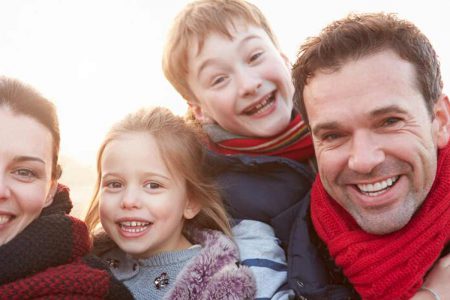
(192, 209)
(199, 114)
(51, 193)
(442, 121)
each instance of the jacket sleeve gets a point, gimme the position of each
(260, 251)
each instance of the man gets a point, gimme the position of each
(369, 87)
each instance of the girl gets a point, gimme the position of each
(166, 218)
(43, 250)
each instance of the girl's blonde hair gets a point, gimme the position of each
(182, 151)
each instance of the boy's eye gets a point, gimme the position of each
(218, 80)
(255, 56)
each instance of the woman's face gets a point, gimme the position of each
(26, 184)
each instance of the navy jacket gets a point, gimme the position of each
(275, 190)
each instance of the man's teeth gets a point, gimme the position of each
(262, 106)
(374, 189)
(134, 226)
(4, 219)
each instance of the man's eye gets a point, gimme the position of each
(330, 137)
(390, 121)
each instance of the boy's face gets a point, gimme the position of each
(243, 83)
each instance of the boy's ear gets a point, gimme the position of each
(192, 209)
(286, 60)
(442, 121)
(51, 193)
(199, 113)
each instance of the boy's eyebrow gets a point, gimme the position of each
(205, 63)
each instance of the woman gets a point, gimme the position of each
(43, 250)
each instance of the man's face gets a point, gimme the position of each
(243, 83)
(375, 142)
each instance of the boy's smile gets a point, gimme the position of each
(241, 82)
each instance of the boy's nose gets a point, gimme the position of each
(248, 83)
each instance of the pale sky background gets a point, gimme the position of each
(98, 60)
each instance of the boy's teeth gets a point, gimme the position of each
(4, 219)
(373, 189)
(262, 106)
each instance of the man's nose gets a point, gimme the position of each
(5, 191)
(366, 152)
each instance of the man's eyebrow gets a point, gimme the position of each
(209, 61)
(387, 110)
(375, 113)
(28, 158)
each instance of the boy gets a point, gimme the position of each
(223, 58)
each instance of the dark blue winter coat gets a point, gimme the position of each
(275, 190)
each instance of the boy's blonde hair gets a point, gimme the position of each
(193, 25)
(181, 149)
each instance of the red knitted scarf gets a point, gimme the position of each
(294, 142)
(388, 266)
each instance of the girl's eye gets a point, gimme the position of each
(113, 185)
(153, 185)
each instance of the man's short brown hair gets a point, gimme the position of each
(359, 35)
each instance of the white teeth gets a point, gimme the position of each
(134, 224)
(263, 105)
(4, 219)
(373, 189)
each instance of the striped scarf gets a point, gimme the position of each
(295, 142)
(390, 266)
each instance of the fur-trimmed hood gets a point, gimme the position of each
(215, 273)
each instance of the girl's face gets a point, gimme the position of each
(142, 205)
(26, 186)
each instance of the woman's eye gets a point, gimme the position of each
(25, 173)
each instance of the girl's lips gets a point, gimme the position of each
(132, 228)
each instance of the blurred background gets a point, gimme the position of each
(98, 60)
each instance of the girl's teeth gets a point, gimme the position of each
(262, 106)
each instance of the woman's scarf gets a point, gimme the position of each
(294, 142)
(390, 266)
(49, 259)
